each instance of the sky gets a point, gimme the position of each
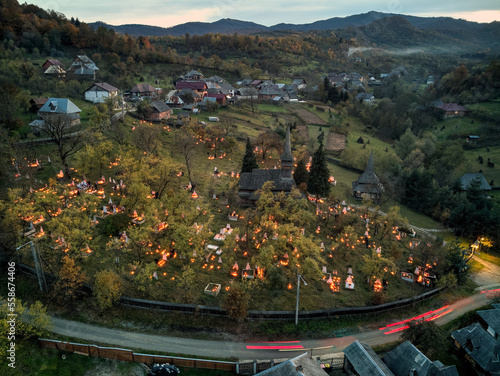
(166, 13)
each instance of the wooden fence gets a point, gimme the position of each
(126, 355)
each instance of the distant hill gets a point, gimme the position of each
(231, 26)
(387, 29)
(223, 26)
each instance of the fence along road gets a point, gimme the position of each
(241, 350)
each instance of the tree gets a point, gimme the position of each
(456, 261)
(71, 279)
(268, 140)
(60, 130)
(405, 144)
(249, 161)
(300, 175)
(427, 337)
(236, 303)
(107, 288)
(186, 281)
(147, 137)
(319, 174)
(31, 323)
(376, 267)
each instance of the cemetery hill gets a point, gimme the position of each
(213, 169)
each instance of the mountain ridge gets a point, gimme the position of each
(231, 26)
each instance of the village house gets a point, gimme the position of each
(189, 96)
(299, 83)
(450, 109)
(99, 92)
(270, 92)
(361, 360)
(55, 71)
(143, 91)
(50, 62)
(368, 186)
(406, 358)
(159, 111)
(193, 75)
(251, 182)
(366, 98)
(219, 98)
(302, 365)
(491, 319)
(467, 179)
(37, 103)
(247, 93)
(199, 87)
(56, 108)
(83, 68)
(173, 100)
(481, 347)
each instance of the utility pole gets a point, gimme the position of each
(38, 265)
(299, 277)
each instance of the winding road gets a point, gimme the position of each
(488, 278)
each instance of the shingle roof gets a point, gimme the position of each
(365, 361)
(193, 73)
(298, 81)
(452, 107)
(255, 179)
(468, 178)
(160, 106)
(84, 61)
(492, 318)
(480, 345)
(406, 357)
(59, 106)
(104, 86)
(364, 96)
(53, 62)
(39, 100)
(301, 365)
(54, 69)
(142, 88)
(194, 85)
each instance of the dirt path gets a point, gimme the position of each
(489, 275)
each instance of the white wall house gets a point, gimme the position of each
(99, 92)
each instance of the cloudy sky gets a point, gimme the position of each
(167, 13)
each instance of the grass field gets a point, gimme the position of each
(457, 126)
(268, 107)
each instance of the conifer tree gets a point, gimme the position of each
(249, 160)
(300, 175)
(317, 183)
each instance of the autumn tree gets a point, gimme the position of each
(186, 282)
(31, 323)
(236, 303)
(147, 137)
(268, 140)
(107, 288)
(71, 279)
(249, 161)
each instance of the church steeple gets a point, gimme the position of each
(287, 157)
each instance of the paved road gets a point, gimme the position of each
(263, 350)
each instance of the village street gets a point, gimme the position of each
(489, 278)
